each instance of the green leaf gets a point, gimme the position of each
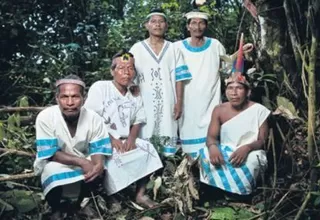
(317, 201)
(286, 108)
(22, 200)
(5, 206)
(223, 213)
(23, 102)
(2, 132)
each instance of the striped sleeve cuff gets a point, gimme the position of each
(182, 73)
(46, 148)
(102, 146)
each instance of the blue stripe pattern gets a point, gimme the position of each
(47, 147)
(245, 170)
(184, 76)
(205, 164)
(223, 178)
(102, 146)
(233, 172)
(193, 141)
(181, 68)
(182, 73)
(205, 46)
(61, 176)
(47, 142)
(171, 150)
(47, 153)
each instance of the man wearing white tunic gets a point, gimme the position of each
(160, 74)
(71, 145)
(123, 113)
(203, 56)
(236, 136)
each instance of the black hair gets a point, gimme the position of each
(71, 76)
(119, 54)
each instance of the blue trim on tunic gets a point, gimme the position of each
(102, 146)
(169, 149)
(181, 68)
(184, 76)
(193, 141)
(43, 154)
(47, 142)
(205, 46)
(61, 176)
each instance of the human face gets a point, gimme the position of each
(124, 72)
(197, 27)
(237, 94)
(156, 26)
(70, 100)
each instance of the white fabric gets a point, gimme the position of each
(120, 112)
(201, 94)
(240, 130)
(53, 135)
(196, 14)
(157, 76)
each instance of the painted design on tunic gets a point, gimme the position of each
(155, 74)
(158, 108)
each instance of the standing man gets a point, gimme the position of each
(72, 143)
(160, 74)
(203, 56)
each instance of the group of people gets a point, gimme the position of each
(105, 138)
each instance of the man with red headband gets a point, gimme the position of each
(238, 129)
(72, 143)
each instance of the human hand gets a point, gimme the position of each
(216, 157)
(97, 170)
(118, 145)
(87, 167)
(239, 156)
(129, 144)
(177, 110)
(247, 48)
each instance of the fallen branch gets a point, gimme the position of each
(21, 109)
(304, 204)
(17, 177)
(17, 152)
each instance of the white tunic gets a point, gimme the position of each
(120, 112)
(157, 76)
(53, 135)
(240, 130)
(201, 94)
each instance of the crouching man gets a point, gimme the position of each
(72, 143)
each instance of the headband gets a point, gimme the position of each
(156, 13)
(197, 14)
(70, 81)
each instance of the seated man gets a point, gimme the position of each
(123, 113)
(71, 145)
(236, 136)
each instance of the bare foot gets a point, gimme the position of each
(146, 202)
